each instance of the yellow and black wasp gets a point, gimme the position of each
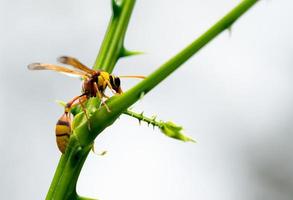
(94, 84)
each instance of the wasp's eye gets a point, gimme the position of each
(117, 82)
(112, 80)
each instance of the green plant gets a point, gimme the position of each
(64, 182)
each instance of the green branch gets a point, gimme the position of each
(119, 104)
(113, 45)
(168, 128)
(143, 118)
(63, 185)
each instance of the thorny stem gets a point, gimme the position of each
(63, 186)
(168, 128)
(118, 104)
(142, 117)
(113, 45)
(66, 175)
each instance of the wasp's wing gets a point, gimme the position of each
(75, 63)
(44, 66)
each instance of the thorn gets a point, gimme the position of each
(125, 52)
(142, 116)
(161, 122)
(130, 108)
(103, 153)
(141, 95)
(154, 121)
(230, 31)
(116, 6)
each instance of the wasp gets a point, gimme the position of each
(95, 82)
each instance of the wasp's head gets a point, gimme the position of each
(115, 83)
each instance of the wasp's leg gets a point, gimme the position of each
(101, 96)
(81, 101)
(73, 102)
(118, 91)
(104, 95)
(110, 86)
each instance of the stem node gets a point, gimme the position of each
(116, 7)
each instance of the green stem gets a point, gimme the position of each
(119, 104)
(168, 128)
(143, 118)
(63, 186)
(66, 175)
(132, 95)
(113, 45)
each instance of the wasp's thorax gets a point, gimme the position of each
(99, 81)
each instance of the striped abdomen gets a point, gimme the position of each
(63, 131)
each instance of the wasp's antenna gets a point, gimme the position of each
(141, 77)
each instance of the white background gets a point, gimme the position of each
(234, 98)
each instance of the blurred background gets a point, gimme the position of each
(234, 98)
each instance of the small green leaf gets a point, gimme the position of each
(61, 103)
(174, 131)
(78, 120)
